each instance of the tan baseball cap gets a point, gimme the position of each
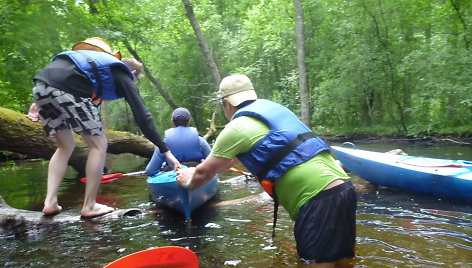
(237, 89)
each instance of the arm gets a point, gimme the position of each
(141, 114)
(204, 147)
(154, 165)
(203, 173)
(228, 145)
(171, 160)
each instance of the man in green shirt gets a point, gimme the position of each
(293, 166)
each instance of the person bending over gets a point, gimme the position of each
(67, 93)
(292, 164)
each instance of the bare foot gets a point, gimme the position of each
(97, 210)
(50, 210)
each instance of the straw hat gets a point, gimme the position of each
(98, 44)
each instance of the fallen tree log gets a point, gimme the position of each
(20, 135)
(19, 222)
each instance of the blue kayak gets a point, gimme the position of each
(438, 177)
(166, 191)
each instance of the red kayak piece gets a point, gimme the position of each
(172, 257)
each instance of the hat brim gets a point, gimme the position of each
(240, 97)
(87, 46)
(181, 118)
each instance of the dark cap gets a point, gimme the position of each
(181, 114)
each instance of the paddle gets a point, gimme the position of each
(247, 174)
(158, 257)
(465, 165)
(112, 177)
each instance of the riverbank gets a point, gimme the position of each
(355, 138)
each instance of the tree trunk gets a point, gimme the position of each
(462, 19)
(210, 61)
(202, 42)
(383, 37)
(20, 135)
(302, 75)
(151, 78)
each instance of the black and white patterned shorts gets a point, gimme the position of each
(60, 110)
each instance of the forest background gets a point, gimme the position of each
(377, 67)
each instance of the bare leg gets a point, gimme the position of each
(94, 168)
(57, 167)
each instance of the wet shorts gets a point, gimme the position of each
(325, 228)
(60, 110)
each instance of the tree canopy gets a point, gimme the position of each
(373, 66)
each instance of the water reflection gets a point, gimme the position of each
(408, 229)
(394, 228)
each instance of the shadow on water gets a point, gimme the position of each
(186, 232)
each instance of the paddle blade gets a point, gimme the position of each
(177, 257)
(107, 178)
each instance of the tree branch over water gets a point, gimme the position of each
(20, 135)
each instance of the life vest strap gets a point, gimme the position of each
(284, 152)
(269, 186)
(98, 79)
(276, 210)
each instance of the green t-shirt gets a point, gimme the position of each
(300, 183)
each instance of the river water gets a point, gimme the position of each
(394, 228)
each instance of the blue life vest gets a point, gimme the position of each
(103, 61)
(184, 143)
(285, 129)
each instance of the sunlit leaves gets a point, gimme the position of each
(369, 61)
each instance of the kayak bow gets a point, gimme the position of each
(171, 256)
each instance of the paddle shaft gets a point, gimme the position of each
(137, 173)
(247, 174)
(112, 177)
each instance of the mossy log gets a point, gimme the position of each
(20, 135)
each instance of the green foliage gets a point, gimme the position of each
(374, 66)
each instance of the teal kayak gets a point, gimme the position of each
(166, 191)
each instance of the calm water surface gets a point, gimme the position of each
(394, 228)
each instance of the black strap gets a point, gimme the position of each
(284, 152)
(97, 77)
(276, 210)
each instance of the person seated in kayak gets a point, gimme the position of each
(292, 164)
(184, 142)
(67, 94)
